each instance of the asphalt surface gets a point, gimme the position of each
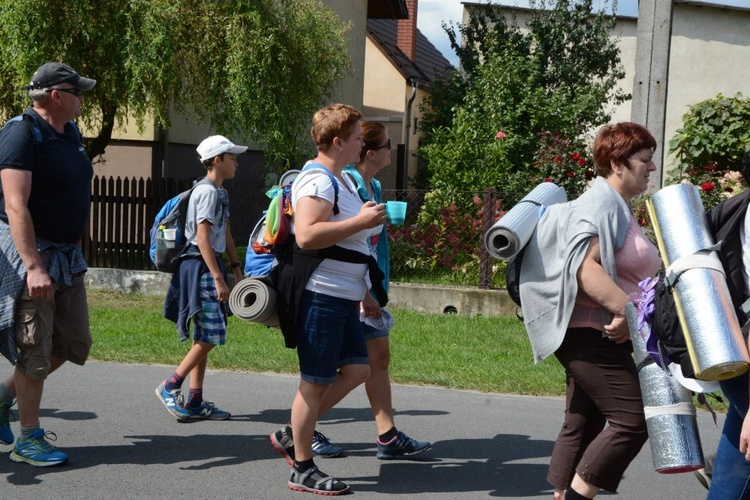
(124, 444)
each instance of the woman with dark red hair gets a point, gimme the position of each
(584, 259)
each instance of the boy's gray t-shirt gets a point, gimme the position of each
(212, 204)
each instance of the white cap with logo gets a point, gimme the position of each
(216, 145)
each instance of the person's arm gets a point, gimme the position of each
(370, 306)
(203, 239)
(231, 252)
(594, 281)
(16, 190)
(313, 231)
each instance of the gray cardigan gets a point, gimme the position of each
(555, 252)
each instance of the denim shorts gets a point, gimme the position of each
(329, 337)
(372, 333)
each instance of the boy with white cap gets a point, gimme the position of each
(198, 291)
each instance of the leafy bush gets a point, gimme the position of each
(710, 145)
(563, 161)
(442, 249)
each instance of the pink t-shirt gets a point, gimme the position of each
(636, 260)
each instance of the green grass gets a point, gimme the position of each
(477, 353)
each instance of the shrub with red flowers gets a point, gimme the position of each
(710, 145)
(714, 185)
(442, 242)
(563, 161)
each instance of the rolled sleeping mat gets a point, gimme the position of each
(511, 233)
(668, 406)
(704, 307)
(288, 176)
(254, 299)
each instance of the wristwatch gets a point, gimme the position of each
(234, 265)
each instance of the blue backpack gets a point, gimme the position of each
(166, 253)
(259, 257)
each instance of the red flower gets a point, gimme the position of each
(570, 174)
(556, 159)
(500, 135)
(582, 161)
(588, 175)
(548, 179)
(707, 186)
(710, 168)
(575, 156)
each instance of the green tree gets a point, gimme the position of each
(556, 78)
(257, 68)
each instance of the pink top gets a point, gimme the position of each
(636, 260)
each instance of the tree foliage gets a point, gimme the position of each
(556, 77)
(257, 68)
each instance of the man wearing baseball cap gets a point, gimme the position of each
(198, 292)
(50, 74)
(44, 209)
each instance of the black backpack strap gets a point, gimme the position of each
(376, 275)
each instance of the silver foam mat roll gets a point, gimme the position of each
(670, 413)
(254, 299)
(509, 235)
(712, 332)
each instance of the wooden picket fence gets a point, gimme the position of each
(122, 212)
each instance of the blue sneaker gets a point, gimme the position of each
(6, 435)
(207, 411)
(322, 447)
(401, 446)
(35, 450)
(172, 401)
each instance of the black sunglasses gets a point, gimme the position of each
(386, 145)
(76, 92)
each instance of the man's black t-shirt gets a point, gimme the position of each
(61, 176)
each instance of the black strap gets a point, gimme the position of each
(294, 270)
(376, 275)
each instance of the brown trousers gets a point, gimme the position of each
(602, 387)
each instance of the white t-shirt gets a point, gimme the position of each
(211, 204)
(345, 280)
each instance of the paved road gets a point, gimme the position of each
(123, 444)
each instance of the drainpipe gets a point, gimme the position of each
(407, 141)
